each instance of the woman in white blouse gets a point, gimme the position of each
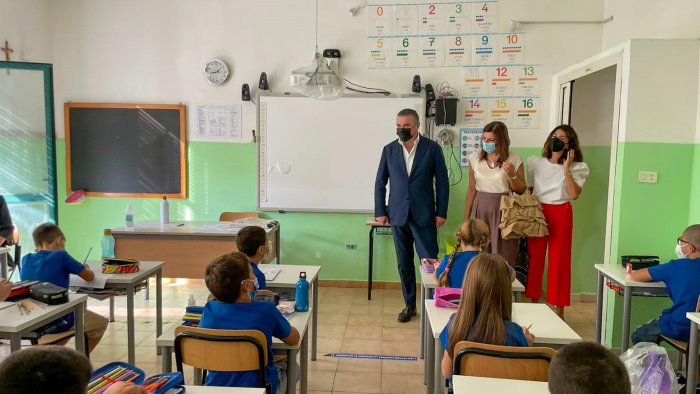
(494, 170)
(555, 178)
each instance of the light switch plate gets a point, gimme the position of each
(648, 177)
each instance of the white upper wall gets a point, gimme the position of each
(653, 19)
(26, 25)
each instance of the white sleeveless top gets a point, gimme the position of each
(492, 180)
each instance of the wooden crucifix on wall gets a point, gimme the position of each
(7, 50)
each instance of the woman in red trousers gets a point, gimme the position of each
(555, 178)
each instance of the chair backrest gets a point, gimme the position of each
(231, 216)
(221, 350)
(504, 362)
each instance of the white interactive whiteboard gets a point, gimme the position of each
(322, 156)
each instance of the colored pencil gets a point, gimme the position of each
(119, 378)
(21, 312)
(37, 303)
(112, 378)
(103, 377)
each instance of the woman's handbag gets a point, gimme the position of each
(521, 216)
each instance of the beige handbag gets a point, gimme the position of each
(521, 216)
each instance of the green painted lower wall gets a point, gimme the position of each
(647, 218)
(695, 189)
(222, 177)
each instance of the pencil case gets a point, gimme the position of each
(49, 293)
(639, 262)
(429, 265)
(21, 289)
(116, 371)
(164, 382)
(120, 266)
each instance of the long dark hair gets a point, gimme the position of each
(573, 143)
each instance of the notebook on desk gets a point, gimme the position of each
(270, 272)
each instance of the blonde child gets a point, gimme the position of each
(485, 311)
(473, 237)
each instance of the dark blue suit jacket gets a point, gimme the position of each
(412, 192)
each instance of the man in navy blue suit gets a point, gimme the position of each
(416, 209)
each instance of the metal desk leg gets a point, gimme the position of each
(304, 363)
(159, 305)
(292, 371)
(80, 344)
(438, 385)
(111, 309)
(166, 359)
(16, 341)
(626, 319)
(423, 297)
(278, 246)
(3, 264)
(314, 316)
(429, 358)
(371, 260)
(130, 326)
(692, 372)
(147, 291)
(599, 308)
(518, 296)
(197, 377)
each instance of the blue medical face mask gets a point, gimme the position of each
(253, 293)
(488, 147)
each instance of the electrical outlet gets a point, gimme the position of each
(648, 177)
(350, 247)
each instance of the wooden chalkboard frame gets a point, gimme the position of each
(183, 164)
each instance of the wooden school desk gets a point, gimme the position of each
(14, 325)
(129, 282)
(187, 248)
(299, 320)
(374, 227)
(428, 283)
(3, 261)
(475, 384)
(616, 273)
(287, 278)
(547, 327)
(692, 373)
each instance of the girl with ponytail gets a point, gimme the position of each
(472, 238)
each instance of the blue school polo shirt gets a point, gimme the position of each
(514, 334)
(53, 267)
(259, 275)
(682, 279)
(262, 316)
(458, 269)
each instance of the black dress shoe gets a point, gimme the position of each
(406, 314)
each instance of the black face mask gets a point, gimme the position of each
(404, 133)
(557, 145)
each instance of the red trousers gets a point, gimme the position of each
(560, 221)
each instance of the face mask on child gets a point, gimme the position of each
(254, 292)
(679, 252)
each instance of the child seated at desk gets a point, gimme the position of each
(485, 310)
(473, 237)
(51, 263)
(681, 278)
(230, 279)
(252, 240)
(52, 369)
(587, 368)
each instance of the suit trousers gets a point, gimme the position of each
(425, 238)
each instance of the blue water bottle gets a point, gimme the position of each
(108, 244)
(302, 298)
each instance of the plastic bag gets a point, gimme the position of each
(650, 369)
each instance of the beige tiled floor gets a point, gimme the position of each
(348, 323)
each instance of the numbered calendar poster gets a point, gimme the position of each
(459, 18)
(500, 81)
(379, 21)
(485, 16)
(500, 109)
(469, 142)
(431, 51)
(475, 82)
(405, 52)
(457, 53)
(475, 114)
(527, 81)
(511, 49)
(482, 50)
(379, 53)
(527, 113)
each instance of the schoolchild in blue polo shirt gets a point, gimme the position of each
(51, 263)
(230, 278)
(252, 240)
(682, 279)
(484, 314)
(473, 237)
